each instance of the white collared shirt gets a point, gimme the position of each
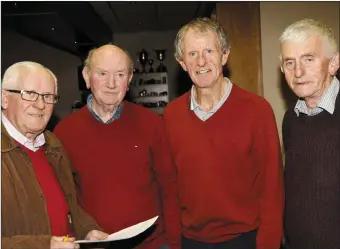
(200, 113)
(16, 135)
(327, 102)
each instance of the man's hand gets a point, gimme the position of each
(58, 243)
(96, 235)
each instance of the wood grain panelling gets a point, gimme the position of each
(241, 20)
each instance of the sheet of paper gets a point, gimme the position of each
(125, 233)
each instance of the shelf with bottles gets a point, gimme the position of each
(146, 98)
(150, 90)
(149, 85)
(140, 79)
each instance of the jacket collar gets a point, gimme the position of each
(8, 143)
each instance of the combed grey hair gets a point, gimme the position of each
(304, 29)
(12, 74)
(201, 26)
(88, 60)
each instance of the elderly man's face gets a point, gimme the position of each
(203, 58)
(307, 69)
(108, 76)
(30, 118)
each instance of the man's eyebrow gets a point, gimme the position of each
(288, 58)
(292, 58)
(307, 55)
(101, 69)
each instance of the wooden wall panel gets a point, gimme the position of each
(241, 20)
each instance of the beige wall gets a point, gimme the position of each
(135, 42)
(275, 16)
(15, 48)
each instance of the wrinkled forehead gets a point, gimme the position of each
(197, 33)
(311, 45)
(37, 79)
(109, 59)
(194, 38)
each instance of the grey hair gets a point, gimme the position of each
(12, 74)
(201, 26)
(304, 29)
(88, 60)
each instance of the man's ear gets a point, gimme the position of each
(225, 57)
(130, 78)
(334, 65)
(86, 76)
(281, 68)
(4, 99)
(181, 62)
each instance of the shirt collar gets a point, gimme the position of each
(16, 135)
(115, 115)
(327, 102)
(194, 105)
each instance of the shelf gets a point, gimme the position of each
(159, 83)
(152, 84)
(147, 73)
(145, 97)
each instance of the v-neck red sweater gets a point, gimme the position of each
(56, 204)
(125, 170)
(229, 169)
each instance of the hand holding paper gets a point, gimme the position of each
(96, 235)
(125, 233)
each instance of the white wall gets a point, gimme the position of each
(135, 42)
(275, 17)
(15, 48)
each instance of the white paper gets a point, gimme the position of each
(125, 233)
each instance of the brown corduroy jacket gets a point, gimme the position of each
(24, 217)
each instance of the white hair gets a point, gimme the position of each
(12, 74)
(304, 29)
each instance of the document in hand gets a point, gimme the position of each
(125, 233)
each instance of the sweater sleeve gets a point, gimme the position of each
(26, 241)
(269, 160)
(166, 176)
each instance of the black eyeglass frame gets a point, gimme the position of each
(22, 92)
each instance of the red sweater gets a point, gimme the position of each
(229, 169)
(57, 206)
(121, 166)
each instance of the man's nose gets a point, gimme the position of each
(299, 70)
(40, 103)
(111, 82)
(201, 60)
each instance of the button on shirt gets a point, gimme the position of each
(327, 102)
(200, 113)
(16, 135)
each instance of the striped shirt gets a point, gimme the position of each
(327, 101)
(200, 113)
(115, 115)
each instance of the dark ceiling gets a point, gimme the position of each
(76, 27)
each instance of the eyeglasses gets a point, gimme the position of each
(33, 96)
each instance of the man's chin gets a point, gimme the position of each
(303, 95)
(36, 129)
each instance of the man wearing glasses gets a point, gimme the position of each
(39, 203)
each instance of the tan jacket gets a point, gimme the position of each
(24, 217)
